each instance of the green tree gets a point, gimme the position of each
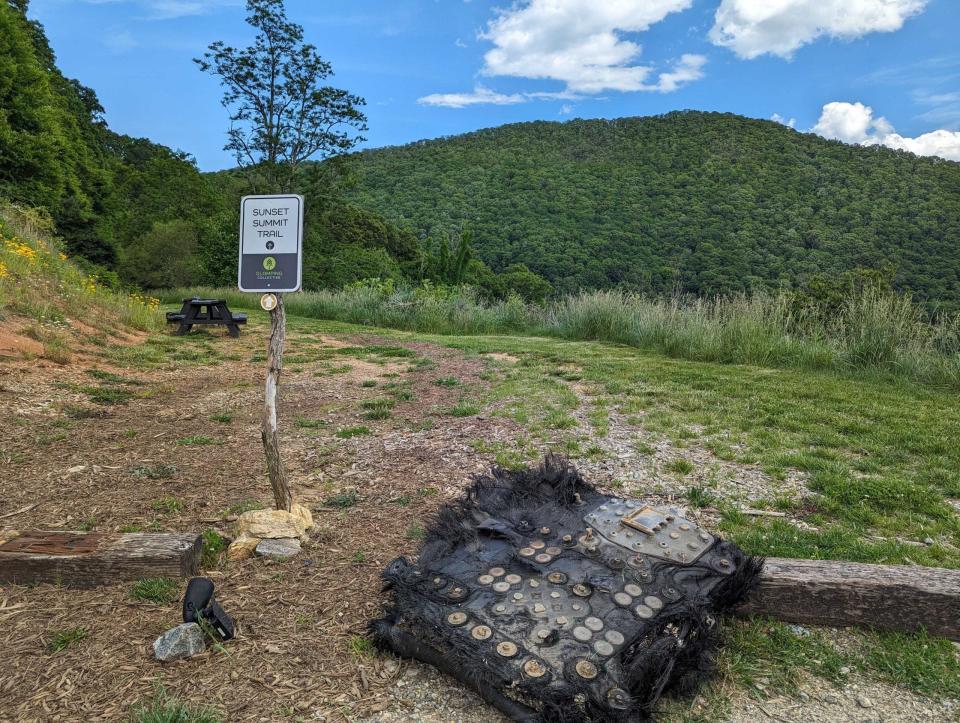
(164, 257)
(281, 113)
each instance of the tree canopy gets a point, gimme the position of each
(709, 203)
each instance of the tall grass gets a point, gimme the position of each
(873, 331)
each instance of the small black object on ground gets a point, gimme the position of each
(199, 604)
(208, 312)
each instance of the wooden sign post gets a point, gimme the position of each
(271, 239)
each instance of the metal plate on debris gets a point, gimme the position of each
(654, 531)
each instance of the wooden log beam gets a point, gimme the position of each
(78, 559)
(840, 594)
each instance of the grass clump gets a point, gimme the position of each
(680, 467)
(65, 638)
(222, 417)
(700, 497)
(447, 382)
(159, 590)
(243, 506)
(304, 423)
(349, 432)
(377, 408)
(164, 708)
(342, 500)
(464, 408)
(168, 505)
(213, 546)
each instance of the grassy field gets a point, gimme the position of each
(878, 459)
(872, 332)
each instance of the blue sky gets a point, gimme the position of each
(870, 71)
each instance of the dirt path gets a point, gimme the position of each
(180, 450)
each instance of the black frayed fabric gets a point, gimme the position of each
(517, 596)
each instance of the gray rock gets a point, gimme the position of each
(799, 631)
(928, 541)
(864, 702)
(182, 641)
(282, 548)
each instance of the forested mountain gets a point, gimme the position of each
(707, 202)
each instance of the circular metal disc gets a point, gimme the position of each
(513, 579)
(553, 551)
(633, 590)
(481, 632)
(541, 633)
(653, 602)
(539, 608)
(534, 669)
(618, 698)
(585, 669)
(518, 596)
(457, 618)
(595, 624)
(534, 583)
(543, 558)
(544, 530)
(582, 634)
(501, 586)
(614, 637)
(603, 648)
(581, 590)
(538, 544)
(622, 599)
(507, 649)
(558, 578)
(643, 612)
(527, 552)
(496, 571)
(555, 595)
(485, 579)
(268, 302)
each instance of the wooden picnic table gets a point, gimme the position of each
(205, 311)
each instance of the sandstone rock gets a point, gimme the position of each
(302, 513)
(242, 547)
(273, 524)
(279, 549)
(182, 641)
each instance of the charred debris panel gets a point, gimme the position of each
(556, 602)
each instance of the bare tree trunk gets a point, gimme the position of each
(268, 429)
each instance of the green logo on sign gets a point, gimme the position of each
(269, 263)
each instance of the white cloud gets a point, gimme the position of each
(566, 109)
(576, 42)
(480, 96)
(856, 123)
(579, 43)
(777, 118)
(754, 27)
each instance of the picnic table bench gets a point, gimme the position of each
(205, 311)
